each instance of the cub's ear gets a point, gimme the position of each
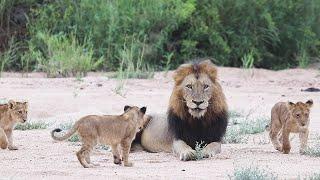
(143, 110)
(126, 107)
(309, 102)
(11, 104)
(291, 104)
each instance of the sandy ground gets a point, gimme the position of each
(63, 100)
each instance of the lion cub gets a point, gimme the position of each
(289, 118)
(113, 130)
(10, 114)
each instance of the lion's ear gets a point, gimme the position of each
(309, 102)
(11, 104)
(126, 107)
(143, 110)
(182, 71)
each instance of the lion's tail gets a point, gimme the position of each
(66, 136)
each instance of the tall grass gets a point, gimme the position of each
(64, 57)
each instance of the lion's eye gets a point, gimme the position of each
(206, 86)
(20, 112)
(189, 86)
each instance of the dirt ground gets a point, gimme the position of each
(63, 100)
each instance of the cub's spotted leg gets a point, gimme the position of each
(116, 154)
(285, 140)
(126, 145)
(10, 141)
(3, 139)
(185, 152)
(303, 136)
(212, 149)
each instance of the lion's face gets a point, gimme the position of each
(300, 111)
(18, 111)
(196, 92)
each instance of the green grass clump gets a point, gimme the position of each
(31, 126)
(252, 173)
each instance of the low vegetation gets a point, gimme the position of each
(199, 150)
(252, 173)
(313, 150)
(31, 126)
(241, 126)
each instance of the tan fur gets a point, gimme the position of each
(286, 118)
(108, 129)
(10, 114)
(157, 137)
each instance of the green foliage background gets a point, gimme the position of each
(273, 34)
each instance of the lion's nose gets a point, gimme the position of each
(197, 102)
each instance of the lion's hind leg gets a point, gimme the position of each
(3, 139)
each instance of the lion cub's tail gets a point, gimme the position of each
(64, 137)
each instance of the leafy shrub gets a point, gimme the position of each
(31, 126)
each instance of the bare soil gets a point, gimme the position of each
(62, 100)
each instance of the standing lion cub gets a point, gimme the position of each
(289, 118)
(113, 130)
(10, 114)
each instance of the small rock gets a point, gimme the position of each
(99, 85)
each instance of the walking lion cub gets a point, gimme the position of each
(10, 114)
(289, 118)
(113, 130)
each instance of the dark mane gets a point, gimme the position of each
(192, 130)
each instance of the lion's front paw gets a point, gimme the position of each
(12, 147)
(188, 155)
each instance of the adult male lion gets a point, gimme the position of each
(197, 112)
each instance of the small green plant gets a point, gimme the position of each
(313, 151)
(74, 138)
(168, 59)
(248, 60)
(199, 150)
(234, 136)
(254, 126)
(31, 126)
(252, 173)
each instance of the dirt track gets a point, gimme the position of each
(63, 100)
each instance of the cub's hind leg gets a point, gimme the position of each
(3, 139)
(116, 154)
(84, 154)
(126, 145)
(274, 132)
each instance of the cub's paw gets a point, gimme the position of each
(279, 148)
(12, 147)
(117, 161)
(188, 155)
(128, 164)
(286, 150)
(3, 145)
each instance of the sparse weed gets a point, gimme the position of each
(248, 60)
(31, 126)
(252, 173)
(315, 176)
(241, 126)
(74, 138)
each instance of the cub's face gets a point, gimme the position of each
(140, 114)
(18, 110)
(300, 111)
(197, 91)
